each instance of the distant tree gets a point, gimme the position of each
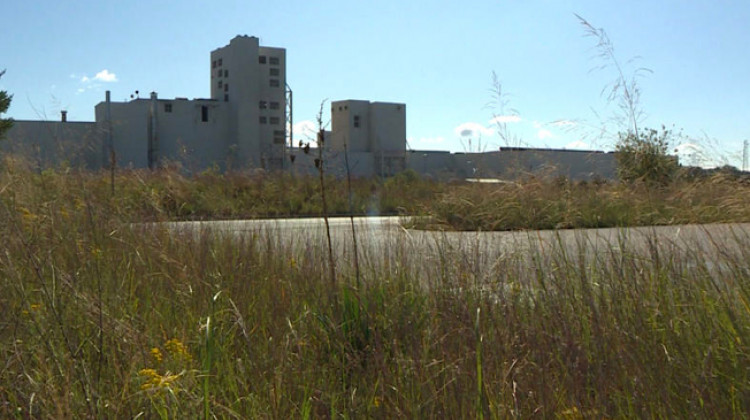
(645, 157)
(5, 123)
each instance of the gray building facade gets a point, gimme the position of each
(245, 124)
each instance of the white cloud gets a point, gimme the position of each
(502, 119)
(472, 129)
(305, 130)
(103, 76)
(688, 148)
(578, 144)
(694, 155)
(545, 134)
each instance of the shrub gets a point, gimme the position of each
(643, 156)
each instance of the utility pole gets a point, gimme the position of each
(744, 155)
(289, 121)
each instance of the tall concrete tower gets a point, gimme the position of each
(251, 79)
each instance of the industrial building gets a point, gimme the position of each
(246, 123)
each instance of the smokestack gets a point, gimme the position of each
(64, 116)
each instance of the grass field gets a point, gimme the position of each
(103, 320)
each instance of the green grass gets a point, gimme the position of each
(104, 320)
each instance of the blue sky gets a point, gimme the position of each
(438, 57)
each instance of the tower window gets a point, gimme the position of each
(273, 71)
(226, 87)
(263, 120)
(226, 98)
(356, 121)
(220, 61)
(274, 82)
(273, 60)
(204, 113)
(221, 84)
(226, 73)
(274, 105)
(213, 64)
(167, 107)
(262, 104)
(262, 59)
(274, 120)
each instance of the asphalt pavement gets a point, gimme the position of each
(383, 242)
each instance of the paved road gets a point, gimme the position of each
(385, 244)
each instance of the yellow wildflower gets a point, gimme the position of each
(177, 349)
(156, 354)
(155, 381)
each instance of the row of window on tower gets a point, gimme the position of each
(268, 105)
(262, 59)
(269, 120)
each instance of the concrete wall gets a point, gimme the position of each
(376, 128)
(514, 163)
(50, 143)
(387, 127)
(361, 164)
(129, 125)
(350, 124)
(152, 132)
(183, 136)
(436, 164)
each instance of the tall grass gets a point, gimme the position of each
(554, 204)
(169, 194)
(107, 319)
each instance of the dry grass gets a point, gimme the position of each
(107, 321)
(544, 204)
